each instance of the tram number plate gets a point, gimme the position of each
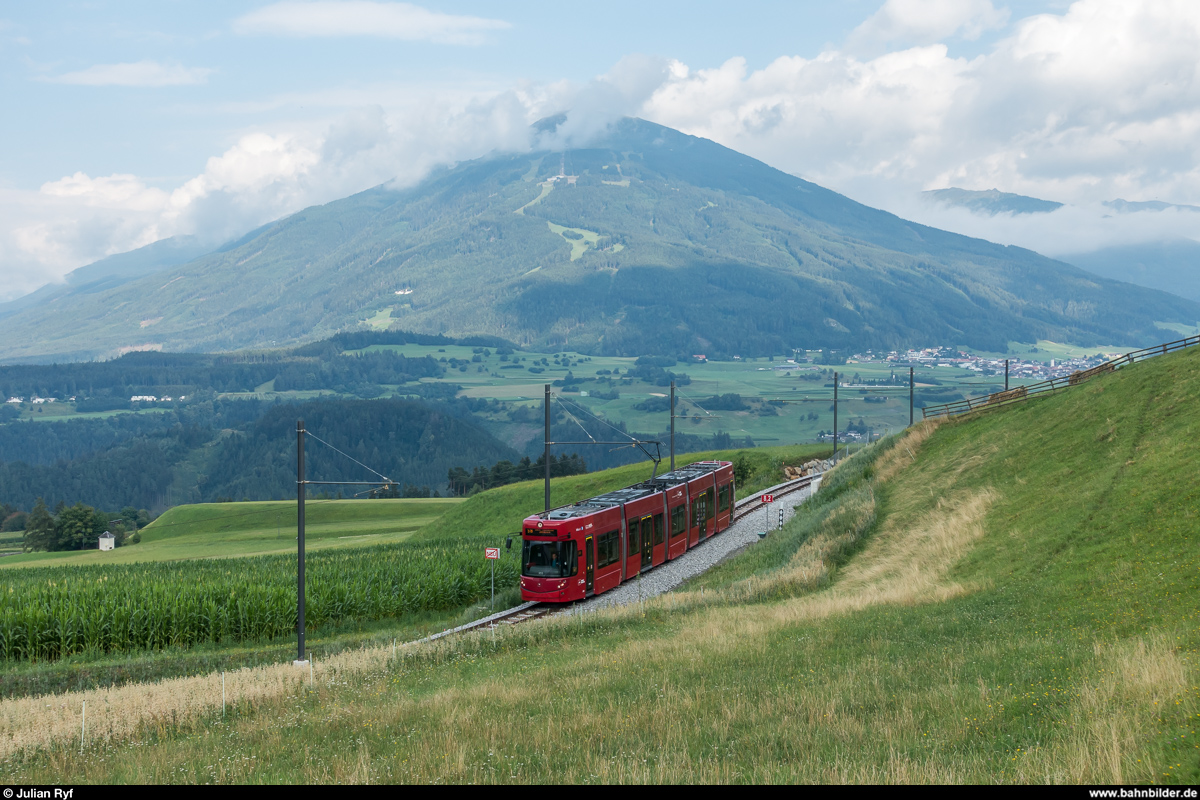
(768, 498)
(491, 552)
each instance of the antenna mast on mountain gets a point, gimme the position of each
(562, 172)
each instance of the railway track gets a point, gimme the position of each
(749, 505)
(509, 616)
(526, 612)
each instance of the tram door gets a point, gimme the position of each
(701, 509)
(647, 541)
(591, 561)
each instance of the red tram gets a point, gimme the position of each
(576, 551)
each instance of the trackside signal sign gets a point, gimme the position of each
(768, 498)
(491, 552)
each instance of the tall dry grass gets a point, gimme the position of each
(123, 712)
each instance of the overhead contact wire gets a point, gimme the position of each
(572, 416)
(697, 405)
(312, 435)
(583, 410)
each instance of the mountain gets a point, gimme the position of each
(649, 241)
(1131, 207)
(113, 271)
(1172, 266)
(992, 201)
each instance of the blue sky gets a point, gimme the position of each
(131, 121)
(246, 80)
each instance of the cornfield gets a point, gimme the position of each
(51, 612)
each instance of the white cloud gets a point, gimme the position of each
(926, 21)
(1070, 229)
(362, 18)
(72, 222)
(1100, 102)
(591, 108)
(114, 191)
(139, 73)
(263, 176)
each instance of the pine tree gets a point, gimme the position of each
(39, 528)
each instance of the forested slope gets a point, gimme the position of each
(235, 449)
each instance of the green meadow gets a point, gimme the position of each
(221, 530)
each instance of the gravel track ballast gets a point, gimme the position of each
(708, 554)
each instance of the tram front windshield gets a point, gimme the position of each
(548, 559)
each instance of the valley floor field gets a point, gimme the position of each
(807, 389)
(1006, 598)
(219, 530)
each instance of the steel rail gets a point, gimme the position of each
(749, 505)
(538, 609)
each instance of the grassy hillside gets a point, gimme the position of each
(494, 514)
(1009, 598)
(218, 530)
(666, 243)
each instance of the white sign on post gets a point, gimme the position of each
(492, 554)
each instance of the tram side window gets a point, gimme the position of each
(658, 529)
(608, 549)
(709, 506)
(678, 520)
(634, 544)
(723, 498)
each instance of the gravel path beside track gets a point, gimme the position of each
(666, 577)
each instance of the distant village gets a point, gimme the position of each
(1023, 369)
(137, 398)
(1018, 368)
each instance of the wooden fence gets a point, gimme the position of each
(1027, 391)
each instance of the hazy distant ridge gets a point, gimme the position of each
(992, 201)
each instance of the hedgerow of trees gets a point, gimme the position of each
(79, 527)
